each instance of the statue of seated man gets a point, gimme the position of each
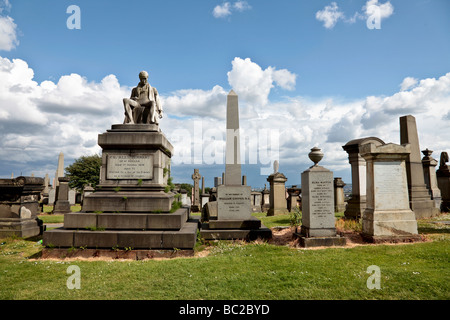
(144, 105)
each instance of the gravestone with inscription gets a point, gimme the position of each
(318, 220)
(388, 216)
(132, 204)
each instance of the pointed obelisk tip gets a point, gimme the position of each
(232, 93)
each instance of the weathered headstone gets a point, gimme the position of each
(388, 216)
(443, 179)
(19, 207)
(278, 203)
(339, 197)
(62, 204)
(293, 198)
(429, 172)
(318, 220)
(265, 199)
(419, 198)
(357, 204)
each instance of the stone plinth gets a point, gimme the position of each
(357, 204)
(277, 198)
(388, 216)
(429, 172)
(134, 172)
(293, 198)
(62, 203)
(19, 207)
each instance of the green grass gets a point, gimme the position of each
(237, 270)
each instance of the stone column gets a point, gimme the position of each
(388, 216)
(419, 198)
(196, 192)
(429, 172)
(265, 205)
(339, 197)
(233, 153)
(293, 197)
(357, 203)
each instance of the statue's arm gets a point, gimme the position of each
(134, 95)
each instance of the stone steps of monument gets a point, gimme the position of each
(185, 238)
(128, 221)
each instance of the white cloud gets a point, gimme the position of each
(329, 15)
(253, 84)
(221, 11)
(226, 9)
(408, 83)
(8, 33)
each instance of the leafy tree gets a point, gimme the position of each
(84, 171)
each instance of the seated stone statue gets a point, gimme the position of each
(143, 106)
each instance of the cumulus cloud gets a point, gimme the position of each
(253, 84)
(227, 8)
(408, 83)
(8, 29)
(383, 10)
(329, 15)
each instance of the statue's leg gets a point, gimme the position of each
(129, 105)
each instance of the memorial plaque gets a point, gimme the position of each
(129, 166)
(390, 185)
(234, 202)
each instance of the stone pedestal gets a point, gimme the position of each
(278, 203)
(388, 216)
(357, 204)
(429, 172)
(318, 221)
(293, 198)
(62, 203)
(19, 207)
(265, 200)
(131, 207)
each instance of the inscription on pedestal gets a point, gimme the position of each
(234, 202)
(390, 186)
(125, 166)
(321, 198)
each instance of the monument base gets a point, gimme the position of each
(249, 230)
(310, 242)
(391, 239)
(273, 212)
(396, 223)
(22, 228)
(61, 207)
(127, 231)
(56, 253)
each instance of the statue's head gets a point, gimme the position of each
(143, 76)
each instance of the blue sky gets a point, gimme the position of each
(310, 71)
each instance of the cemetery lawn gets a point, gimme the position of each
(238, 270)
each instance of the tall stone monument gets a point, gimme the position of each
(339, 197)
(388, 216)
(419, 198)
(429, 172)
(59, 170)
(132, 206)
(318, 220)
(443, 180)
(230, 216)
(357, 204)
